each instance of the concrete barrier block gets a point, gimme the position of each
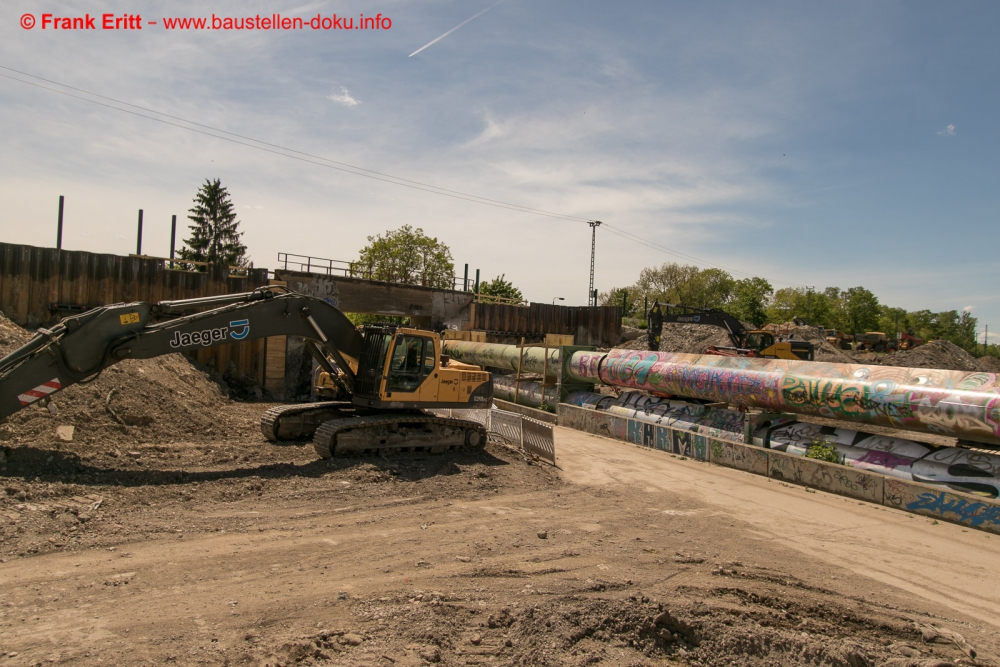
(741, 457)
(700, 444)
(831, 477)
(944, 504)
(591, 421)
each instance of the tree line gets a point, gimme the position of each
(755, 301)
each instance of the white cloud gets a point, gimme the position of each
(949, 131)
(344, 98)
(969, 309)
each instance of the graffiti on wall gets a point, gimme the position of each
(942, 504)
(955, 467)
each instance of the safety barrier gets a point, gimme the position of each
(531, 435)
(920, 498)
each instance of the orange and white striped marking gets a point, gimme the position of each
(41, 391)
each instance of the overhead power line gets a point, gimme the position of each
(318, 160)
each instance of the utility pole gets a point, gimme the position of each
(138, 240)
(594, 224)
(173, 238)
(59, 231)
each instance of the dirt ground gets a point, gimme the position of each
(166, 530)
(236, 551)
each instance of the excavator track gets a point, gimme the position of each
(296, 422)
(396, 432)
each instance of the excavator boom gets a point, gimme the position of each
(82, 346)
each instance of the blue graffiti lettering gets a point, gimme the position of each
(975, 514)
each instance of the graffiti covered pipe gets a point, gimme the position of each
(954, 403)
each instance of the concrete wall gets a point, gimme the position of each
(926, 499)
(426, 306)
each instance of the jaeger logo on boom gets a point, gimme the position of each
(237, 330)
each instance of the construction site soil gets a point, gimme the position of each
(166, 530)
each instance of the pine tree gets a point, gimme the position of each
(214, 236)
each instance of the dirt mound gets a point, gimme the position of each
(988, 364)
(676, 337)
(163, 399)
(629, 334)
(11, 336)
(824, 351)
(935, 354)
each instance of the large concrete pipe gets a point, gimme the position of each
(526, 392)
(508, 357)
(956, 403)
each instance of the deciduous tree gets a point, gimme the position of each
(500, 287)
(406, 255)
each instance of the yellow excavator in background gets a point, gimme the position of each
(746, 342)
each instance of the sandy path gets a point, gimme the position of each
(943, 563)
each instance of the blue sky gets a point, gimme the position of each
(848, 143)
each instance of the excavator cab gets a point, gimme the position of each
(758, 341)
(401, 368)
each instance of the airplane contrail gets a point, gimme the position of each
(453, 30)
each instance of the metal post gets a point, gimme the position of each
(545, 373)
(517, 378)
(645, 309)
(173, 238)
(594, 224)
(477, 281)
(465, 281)
(59, 230)
(624, 303)
(138, 240)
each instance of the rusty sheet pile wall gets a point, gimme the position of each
(597, 326)
(39, 286)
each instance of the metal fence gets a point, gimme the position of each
(531, 435)
(339, 267)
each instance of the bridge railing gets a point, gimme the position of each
(339, 267)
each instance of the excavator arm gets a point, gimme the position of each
(669, 312)
(80, 347)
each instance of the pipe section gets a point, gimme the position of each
(504, 356)
(956, 403)
(528, 393)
